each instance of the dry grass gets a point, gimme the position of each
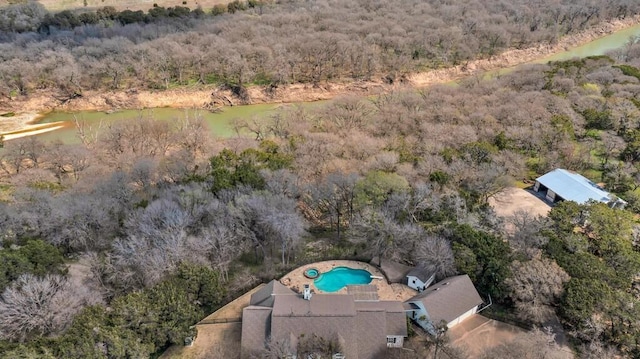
(220, 340)
(59, 5)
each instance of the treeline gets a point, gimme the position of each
(138, 325)
(404, 176)
(292, 42)
(33, 17)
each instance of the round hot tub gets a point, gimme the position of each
(311, 273)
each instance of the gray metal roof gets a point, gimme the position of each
(573, 187)
(449, 298)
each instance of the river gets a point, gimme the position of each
(221, 123)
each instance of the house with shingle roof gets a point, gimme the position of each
(361, 329)
(451, 301)
(358, 323)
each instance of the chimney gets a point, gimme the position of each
(306, 294)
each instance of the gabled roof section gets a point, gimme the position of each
(573, 187)
(422, 273)
(394, 271)
(449, 298)
(256, 323)
(391, 314)
(320, 305)
(265, 296)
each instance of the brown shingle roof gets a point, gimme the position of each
(363, 292)
(449, 298)
(320, 305)
(360, 327)
(391, 313)
(372, 334)
(422, 273)
(264, 297)
(395, 272)
(256, 322)
(343, 328)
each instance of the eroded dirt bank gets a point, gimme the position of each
(210, 97)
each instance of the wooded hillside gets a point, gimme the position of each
(404, 176)
(271, 44)
(169, 223)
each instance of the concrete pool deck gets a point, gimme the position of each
(395, 291)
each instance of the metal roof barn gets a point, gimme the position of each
(573, 187)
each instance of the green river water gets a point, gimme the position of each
(221, 123)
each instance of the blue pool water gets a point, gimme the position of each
(339, 277)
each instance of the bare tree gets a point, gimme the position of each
(434, 253)
(42, 306)
(535, 287)
(383, 235)
(282, 182)
(334, 198)
(276, 349)
(221, 243)
(271, 219)
(597, 350)
(526, 232)
(20, 154)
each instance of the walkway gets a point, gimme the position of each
(395, 291)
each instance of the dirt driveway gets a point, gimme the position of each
(477, 334)
(507, 202)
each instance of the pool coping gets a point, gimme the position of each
(371, 277)
(386, 291)
(309, 276)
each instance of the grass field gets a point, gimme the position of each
(59, 5)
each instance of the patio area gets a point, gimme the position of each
(395, 291)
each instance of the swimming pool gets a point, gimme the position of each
(340, 277)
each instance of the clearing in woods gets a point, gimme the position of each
(59, 5)
(513, 199)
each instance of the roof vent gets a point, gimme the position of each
(306, 293)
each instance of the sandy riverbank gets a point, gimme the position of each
(22, 125)
(17, 122)
(517, 57)
(211, 96)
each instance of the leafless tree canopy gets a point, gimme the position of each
(536, 286)
(36, 306)
(288, 42)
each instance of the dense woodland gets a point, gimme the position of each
(156, 208)
(271, 44)
(171, 223)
